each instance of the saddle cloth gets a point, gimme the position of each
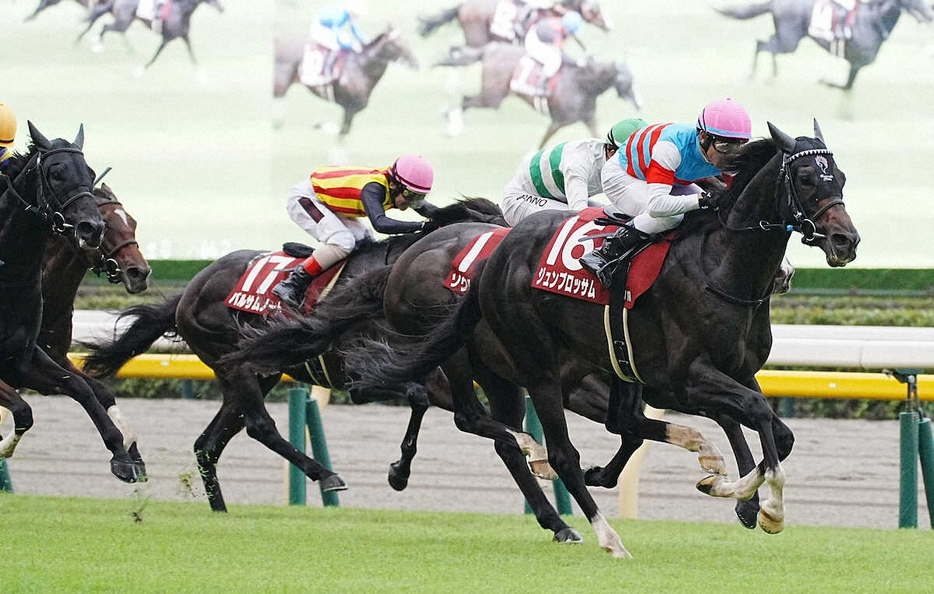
(560, 272)
(464, 265)
(827, 16)
(311, 71)
(527, 79)
(253, 291)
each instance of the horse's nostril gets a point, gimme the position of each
(90, 233)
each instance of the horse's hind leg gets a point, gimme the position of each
(13, 403)
(208, 448)
(245, 391)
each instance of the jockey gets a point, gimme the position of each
(653, 177)
(511, 18)
(335, 28)
(7, 133)
(545, 42)
(563, 177)
(330, 204)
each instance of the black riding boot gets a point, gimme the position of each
(602, 260)
(291, 291)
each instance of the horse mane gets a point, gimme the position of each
(18, 161)
(744, 166)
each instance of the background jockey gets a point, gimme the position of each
(545, 42)
(335, 28)
(653, 177)
(563, 177)
(330, 204)
(7, 134)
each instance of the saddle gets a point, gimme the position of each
(528, 81)
(312, 71)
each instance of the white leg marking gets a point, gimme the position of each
(129, 435)
(538, 457)
(608, 539)
(8, 444)
(772, 510)
(718, 485)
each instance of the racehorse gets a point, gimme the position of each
(63, 269)
(476, 16)
(872, 24)
(360, 74)
(43, 4)
(696, 337)
(48, 191)
(211, 329)
(573, 100)
(176, 23)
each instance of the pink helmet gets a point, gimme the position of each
(414, 173)
(725, 118)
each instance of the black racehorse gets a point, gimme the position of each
(64, 267)
(48, 190)
(211, 329)
(573, 100)
(698, 336)
(175, 25)
(415, 300)
(359, 75)
(476, 16)
(871, 25)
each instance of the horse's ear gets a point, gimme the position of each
(37, 138)
(79, 139)
(817, 132)
(784, 142)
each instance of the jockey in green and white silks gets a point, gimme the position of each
(562, 177)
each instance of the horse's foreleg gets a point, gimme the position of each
(158, 51)
(47, 377)
(554, 127)
(191, 52)
(348, 120)
(400, 470)
(11, 403)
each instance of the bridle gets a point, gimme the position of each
(106, 261)
(788, 201)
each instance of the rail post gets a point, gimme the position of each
(297, 397)
(916, 443)
(319, 446)
(6, 484)
(533, 427)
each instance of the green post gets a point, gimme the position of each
(926, 451)
(533, 427)
(319, 446)
(908, 484)
(297, 397)
(6, 484)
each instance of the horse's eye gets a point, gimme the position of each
(805, 180)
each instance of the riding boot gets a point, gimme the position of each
(602, 261)
(291, 291)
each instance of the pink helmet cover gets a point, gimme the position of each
(414, 172)
(725, 118)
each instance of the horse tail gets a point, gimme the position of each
(285, 343)
(461, 56)
(427, 25)
(746, 12)
(377, 364)
(150, 324)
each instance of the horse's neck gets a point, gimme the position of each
(22, 242)
(63, 269)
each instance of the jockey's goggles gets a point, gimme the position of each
(414, 199)
(727, 146)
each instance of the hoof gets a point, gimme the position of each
(569, 535)
(127, 472)
(771, 521)
(710, 485)
(396, 479)
(746, 512)
(332, 483)
(138, 462)
(543, 470)
(594, 477)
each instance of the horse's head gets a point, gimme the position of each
(590, 11)
(119, 256)
(810, 194)
(918, 9)
(390, 46)
(623, 83)
(62, 189)
(215, 3)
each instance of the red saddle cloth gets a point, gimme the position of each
(464, 265)
(560, 272)
(527, 79)
(253, 292)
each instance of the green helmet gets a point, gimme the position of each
(622, 130)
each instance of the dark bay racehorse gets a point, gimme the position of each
(698, 335)
(63, 268)
(175, 25)
(360, 74)
(48, 191)
(476, 16)
(573, 100)
(201, 317)
(871, 26)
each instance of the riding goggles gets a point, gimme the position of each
(727, 146)
(414, 199)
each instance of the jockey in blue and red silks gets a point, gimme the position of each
(335, 28)
(545, 42)
(653, 177)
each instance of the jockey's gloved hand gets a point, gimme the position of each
(709, 200)
(429, 226)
